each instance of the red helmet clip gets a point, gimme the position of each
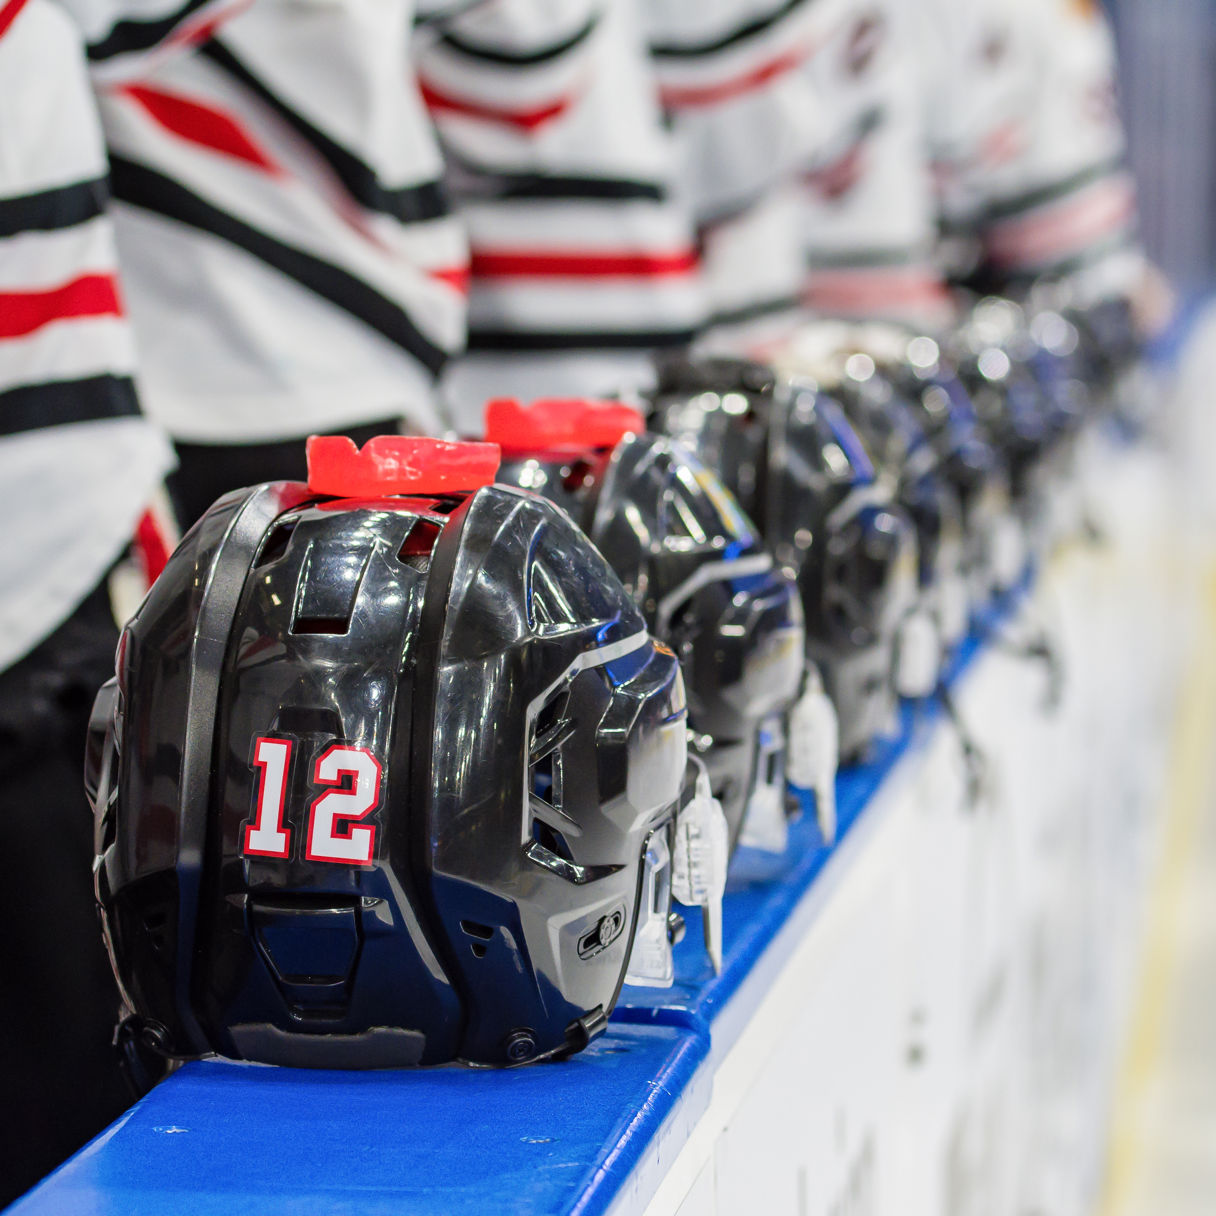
(555, 422)
(398, 464)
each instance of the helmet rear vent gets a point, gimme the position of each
(328, 589)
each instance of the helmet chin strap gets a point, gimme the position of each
(766, 821)
(815, 750)
(699, 860)
(650, 959)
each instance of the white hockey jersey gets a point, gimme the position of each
(870, 212)
(78, 465)
(994, 119)
(743, 108)
(1026, 134)
(289, 255)
(582, 260)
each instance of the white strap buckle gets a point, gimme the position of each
(765, 822)
(650, 959)
(814, 750)
(918, 655)
(698, 866)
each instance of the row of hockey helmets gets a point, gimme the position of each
(697, 569)
(922, 374)
(800, 471)
(1025, 390)
(391, 772)
(834, 356)
(1107, 351)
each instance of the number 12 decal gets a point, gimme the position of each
(334, 833)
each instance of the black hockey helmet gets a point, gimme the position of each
(801, 471)
(924, 373)
(695, 565)
(995, 356)
(387, 772)
(837, 356)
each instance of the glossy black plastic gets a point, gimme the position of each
(802, 472)
(698, 569)
(970, 460)
(481, 650)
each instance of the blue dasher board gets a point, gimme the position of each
(549, 1140)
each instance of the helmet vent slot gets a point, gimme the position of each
(275, 545)
(157, 920)
(328, 588)
(416, 549)
(483, 934)
(551, 840)
(334, 626)
(549, 731)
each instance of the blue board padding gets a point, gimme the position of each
(220, 1139)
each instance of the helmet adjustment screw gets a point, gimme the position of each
(610, 927)
(675, 928)
(520, 1045)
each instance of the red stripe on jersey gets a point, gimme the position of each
(200, 124)
(8, 13)
(868, 292)
(151, 547)
(833, 181)
(526, 263)
(1003, 145)
(203, 26)
(453, 276)
(676, 97)
(525, 120)
(1062, 231)
(91, 295)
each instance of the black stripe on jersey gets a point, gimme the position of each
(691, 50)
(432, 17)
(517, 59)
(62, 401)
(131, 35)
(866, 259)
(143, 187)
(409, 204)
(536, 341)
(756, 311)
(589, 189)
(1008, 208)
(472, 182)
(1002, 279)
(48, 210)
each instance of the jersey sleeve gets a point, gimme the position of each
(869, 216)
(743, 111)
(290, 257)
(582, 258)
(78, 464)
(1051, 192)
(66, 351)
